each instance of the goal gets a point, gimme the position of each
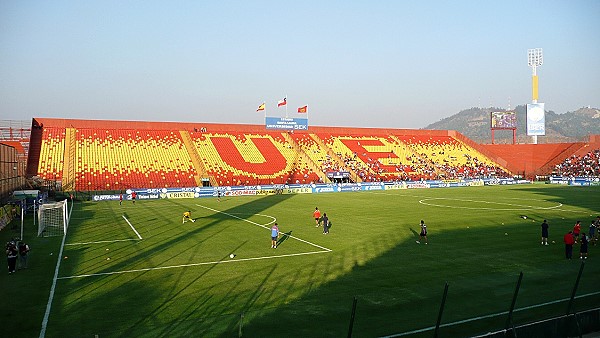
(53, 219)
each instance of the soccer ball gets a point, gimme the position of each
(231, 255)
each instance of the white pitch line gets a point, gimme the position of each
(137, 233)
(488, 316)
(262, 226)
(193, 264)
(521, 207)
(100, 242)
(51, 297)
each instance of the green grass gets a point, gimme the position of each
(167, 284)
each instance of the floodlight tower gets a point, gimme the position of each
(535, 59)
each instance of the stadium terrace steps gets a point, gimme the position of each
(120, 159)
(252, 158)
(527, 159)
(311, 154)
(194, 156)
(451, 157)
(68, 174)
(330, 161)
(52, 149)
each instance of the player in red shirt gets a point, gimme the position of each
(569, 241)
(577, 230)
(317, 216)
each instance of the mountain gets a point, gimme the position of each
(568, 127)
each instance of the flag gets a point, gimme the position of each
(303, 109)
(261, 107)
(282, 102)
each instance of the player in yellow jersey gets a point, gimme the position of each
(188, 215)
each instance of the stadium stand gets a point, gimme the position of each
(51, 153)
(587, 165)
(114, 159)
(532, 159)
(252, 158)
(115, 155)
(451, 158)
(372, 158)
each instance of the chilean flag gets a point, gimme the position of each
(282, 102)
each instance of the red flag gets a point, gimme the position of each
(282, 102)
(303, 109)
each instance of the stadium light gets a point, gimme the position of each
(535, 59)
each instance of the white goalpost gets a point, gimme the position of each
(53, 219)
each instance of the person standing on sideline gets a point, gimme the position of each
(317, 216)
(576, 230)
(592, 233)
(188, 216)
(583, 248)
(325, 220)
(569, 241)
(545, 232)
(23, 251)
(11, 256)
(121, 199)
(133, 196)
(423, 233)
(274, 236)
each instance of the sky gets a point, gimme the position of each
(396, 64)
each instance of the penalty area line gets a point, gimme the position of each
(262, 226)
(100, 242)
(192, 264)
(137, 233)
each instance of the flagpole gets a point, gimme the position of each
(286, 113)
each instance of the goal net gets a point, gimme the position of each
(53, 219)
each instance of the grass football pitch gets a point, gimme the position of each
(137, 271)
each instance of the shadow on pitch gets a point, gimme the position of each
(284, 238)
(415, 234)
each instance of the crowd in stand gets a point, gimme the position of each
(587, 165)
(420, 167)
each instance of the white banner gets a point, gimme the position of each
(536, 119)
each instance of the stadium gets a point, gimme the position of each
(116, 261)
(157, 180)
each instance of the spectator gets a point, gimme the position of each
(580, 166)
